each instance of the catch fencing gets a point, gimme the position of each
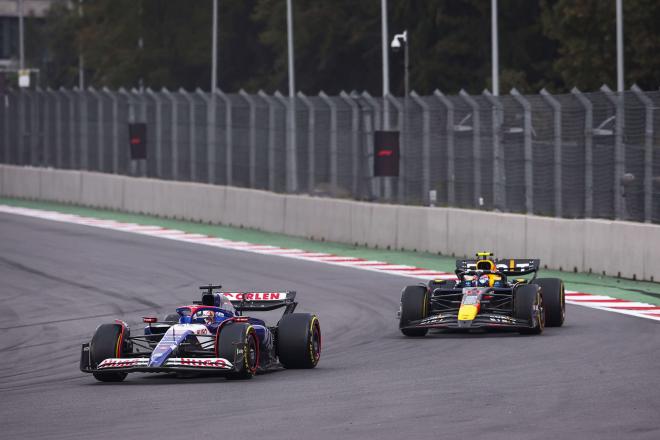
(577, 155)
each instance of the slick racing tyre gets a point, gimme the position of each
(107, 342)
(299, 340)
(528, 306)
(238, 343)
(172, 317)
(414, 306)
(554, 301)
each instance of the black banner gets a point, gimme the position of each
(137, 137)
(386, 153)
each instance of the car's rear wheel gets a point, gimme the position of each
(107, 343)
(414, 306)
(238, 343)
(554, 300)
(528, 306)
(299, 340)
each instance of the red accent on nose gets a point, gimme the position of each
(385, 153)
(136, 141)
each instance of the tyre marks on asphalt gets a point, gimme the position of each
(599, 302)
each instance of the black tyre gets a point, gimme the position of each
(554, 300)
(528, 306)
(299, 340)
(238, 343)
(172, 317)
(414, 306)
(107, 342)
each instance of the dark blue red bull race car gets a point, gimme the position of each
(487, 293)
(210, 336)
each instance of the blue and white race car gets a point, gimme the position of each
(209, 336)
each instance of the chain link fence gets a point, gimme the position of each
(578, 155)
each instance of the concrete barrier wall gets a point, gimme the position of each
(21, 182)
(630, 250)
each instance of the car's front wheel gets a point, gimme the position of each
(238, 343)
(414, 306)
(107, 343)
(528, 306)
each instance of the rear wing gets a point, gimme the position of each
(509, 267)
(262, 301)
(250, 301)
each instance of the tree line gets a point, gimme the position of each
(552, 44)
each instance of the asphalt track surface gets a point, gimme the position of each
(597, 377)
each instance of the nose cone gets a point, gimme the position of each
(467, 313)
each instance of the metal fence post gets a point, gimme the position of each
(401, 180)
(174, 145)
(376, 184)
(291, 160)
(5, 131)
(333, 141)
(72, 127)
(556, 112)
(43, 133)
(451, 174)
(528, 153)
(648, 152)
(499, 171)
(311, 128)
(588, 152)
(192, 135)
(21, 128)
(209, 100)
(426, 146)
(272, 130)
(476, 145)
(229, 148)
(619, 154)
(355, 133)
(131, 119)
(252, 138)
(100, 129)
(84, 129)
(57, 135)
(34, 128)
(159, 132)
(115, 129)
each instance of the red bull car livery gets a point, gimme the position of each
(210, 336)
(488, 293)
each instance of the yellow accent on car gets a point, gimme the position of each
(467, 312)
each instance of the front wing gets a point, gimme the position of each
(450, 320)
(141, 364)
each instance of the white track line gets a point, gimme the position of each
(599, 302)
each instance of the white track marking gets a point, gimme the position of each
(599, 302)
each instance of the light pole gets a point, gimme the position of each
(386, 64)
(495, 48)
(398, 42)
(21, 44)
(619, 46)
(81, 58)
(214, 50)
(292, 177)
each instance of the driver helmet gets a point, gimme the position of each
(205, 317)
